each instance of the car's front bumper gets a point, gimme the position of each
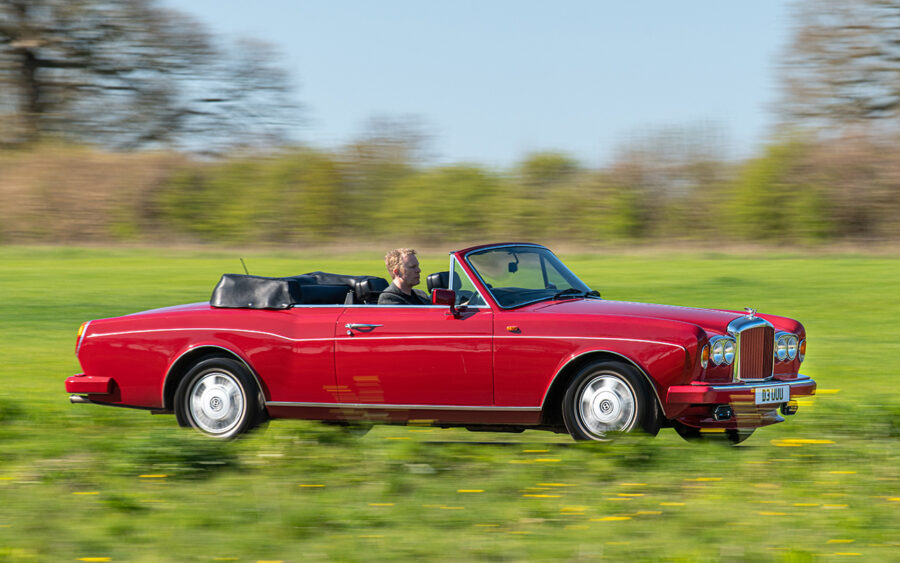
(694, 404)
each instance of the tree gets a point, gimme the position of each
(546, 189)
(387, 151)
(443, 203)
(129, 74)
(842, 68)
(661, 183)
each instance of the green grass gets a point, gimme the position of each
(79, 481)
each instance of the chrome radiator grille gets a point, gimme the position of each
(755, 349)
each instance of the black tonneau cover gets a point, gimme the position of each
(239, 291)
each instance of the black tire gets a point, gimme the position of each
(607, 397)
(731, 435)
(219, 398)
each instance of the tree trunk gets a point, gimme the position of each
(32, 108)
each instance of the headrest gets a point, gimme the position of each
(368, 288)
(438, 281)
(255, 292)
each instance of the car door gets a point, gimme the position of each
(414, 355)
(293, 352)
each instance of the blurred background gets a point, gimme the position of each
(284, 123)
(702, 153)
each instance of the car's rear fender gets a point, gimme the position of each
(191, 357)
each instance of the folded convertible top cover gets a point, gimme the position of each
(257, 292)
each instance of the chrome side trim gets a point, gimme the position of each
(194, 329)
(626, 358)
(397, 337)
(511, 336)
(259, 386)
(363, 336)
(384, 406)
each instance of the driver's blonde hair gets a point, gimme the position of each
(394, 259)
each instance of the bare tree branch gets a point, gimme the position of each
(128, 74)
(842, 68)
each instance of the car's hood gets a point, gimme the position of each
(709, 319)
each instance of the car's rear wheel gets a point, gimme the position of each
(219, 398)
(608, 397)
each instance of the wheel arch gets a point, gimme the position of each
(189, 358)
(551, 407)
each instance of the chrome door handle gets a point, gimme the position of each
(362, 327)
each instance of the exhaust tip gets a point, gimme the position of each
(723, 412)
(79, 399)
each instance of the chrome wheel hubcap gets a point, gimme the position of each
(217, 403)
(606, 403)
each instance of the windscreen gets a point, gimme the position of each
(516, 275)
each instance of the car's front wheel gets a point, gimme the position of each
(607, 397)
(219, 398)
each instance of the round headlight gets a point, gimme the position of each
(729, 352)
(704, 356)
(792, 345)
(801, 350)
(718, 352)
(781, 347)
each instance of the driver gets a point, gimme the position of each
(403, 266)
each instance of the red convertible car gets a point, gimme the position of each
(512, 340)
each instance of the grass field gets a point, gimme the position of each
(95, 483)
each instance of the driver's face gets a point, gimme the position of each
(409, 270)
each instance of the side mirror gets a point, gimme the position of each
(445, 297)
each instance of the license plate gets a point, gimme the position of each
(769, 395)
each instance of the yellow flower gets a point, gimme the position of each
(610, 519)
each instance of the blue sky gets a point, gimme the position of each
(494, 80)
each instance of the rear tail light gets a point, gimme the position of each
(80, 336)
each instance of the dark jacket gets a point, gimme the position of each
(393, 296)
